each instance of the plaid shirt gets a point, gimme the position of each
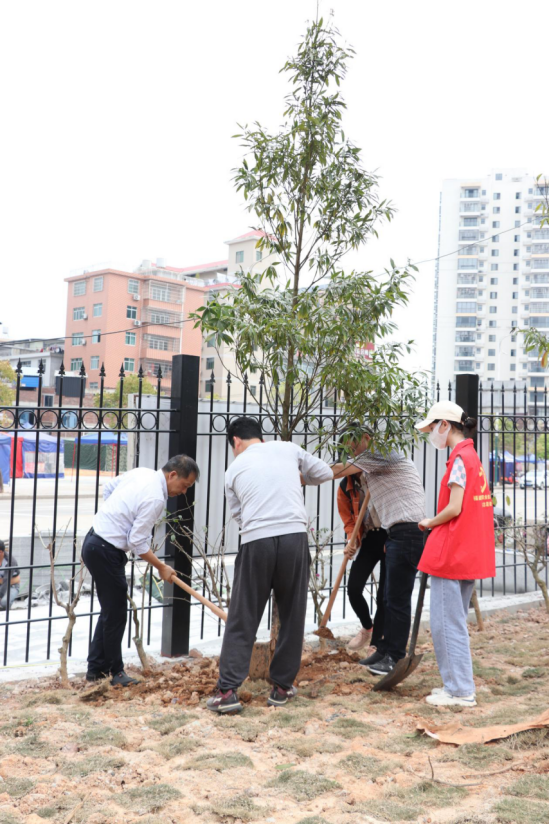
(395, 487)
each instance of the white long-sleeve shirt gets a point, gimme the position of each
(264, 491)
(133, 503)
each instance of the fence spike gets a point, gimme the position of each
(212, 378)
(82, 371)
(102, 371)
(159, 373)
(62, 369)
(140, 372)
(121, 374)
(228, 380)
(41, 367)
(18, 368)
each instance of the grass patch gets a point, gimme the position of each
(18, 720)
(530, 786)
(350, 728)
(246, 729)
(303, 786)
(143, 800)
(479, 755)
(362, 766)
(171, 748)
(87, 766)
(519, 811)
(313, 819)
(407, 803)
(17, 787)
(34, 746)
(170, 722)
(51, 697)
(59, 808)
(534, 672)
(527, 740)
(295, 720)
(306, 746)
(219, 761)
(96, 736)
(517, 688)
(407, 744)
(238, 806)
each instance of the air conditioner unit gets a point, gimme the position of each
(135, 297)
(84, 316)
(137, 323)
(84, 342)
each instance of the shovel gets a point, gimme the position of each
(182, 585)
(407, 665)
(323, 631)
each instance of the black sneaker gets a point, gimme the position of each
(372, 659)
(122, 680)
(95, 676)
(382, 667)
(224, 702)
(279, 697)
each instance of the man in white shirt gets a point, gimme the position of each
(133, 503)
(264, 493)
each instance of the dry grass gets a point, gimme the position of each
(519, 811)
(143, 800)
(303, 786)
(218, 761)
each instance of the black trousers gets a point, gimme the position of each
(106, 564)
(280, 564)
(404, 546)
(371, 552)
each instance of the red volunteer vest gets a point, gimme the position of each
(464, 547)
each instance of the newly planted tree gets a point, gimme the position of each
(305, 323)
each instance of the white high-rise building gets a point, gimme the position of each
(498, 281)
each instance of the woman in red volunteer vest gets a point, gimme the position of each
(459, 550)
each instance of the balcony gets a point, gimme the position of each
(464, 278)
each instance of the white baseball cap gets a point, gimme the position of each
(441, 411)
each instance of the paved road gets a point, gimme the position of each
(44, 515)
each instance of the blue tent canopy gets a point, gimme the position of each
(47, 452)
(5, 461)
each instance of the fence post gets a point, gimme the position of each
(183, 440)
(467, 396)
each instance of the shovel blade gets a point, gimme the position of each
(405, 667)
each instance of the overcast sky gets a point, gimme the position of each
(118, 117)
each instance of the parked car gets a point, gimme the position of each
(532, 479)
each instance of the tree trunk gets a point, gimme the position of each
(64, 648)
(137, 639)
(262, 652)
(477, 609)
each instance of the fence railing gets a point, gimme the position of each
(54, 461)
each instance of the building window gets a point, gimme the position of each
(130, 338)
(514, 324)
(252, 390)
(239, 257)
(496, 195)
(93, 385)
(133, 286)
(495, 239)
(516, 267)
(493, 295)
(494, 252)
(96, 335)
(496, 210)
(258, 257)
(79, 288)
(470, 221)
(496, 224)
(492, 323)
(516, 252)
(210, 363)
(517, 238)
(491, 352)
(515, 295)
(466, 306)
(98, 310)
(491, 367)
(210, 343)
(494, 281)
(48, 400)
(494, 268)
(492, 310)
(129, 364)
(78, 313)
(513, 338)
(94, 362)
(515, 281)
(76, 364)
(98, 284)
(492, 338)
(514, 310)
(208, 387)
(131, 312)
(517, 210)
(512, 353)
(498, 176)
(77, 339)
(512, 367)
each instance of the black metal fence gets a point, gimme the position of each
(53, 488)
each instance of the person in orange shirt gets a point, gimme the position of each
(370, 551)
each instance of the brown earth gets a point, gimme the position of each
(340, 753)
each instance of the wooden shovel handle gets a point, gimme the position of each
(182, 585)
(342, 569)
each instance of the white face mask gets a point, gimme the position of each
(438, 438)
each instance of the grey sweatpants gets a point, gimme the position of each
(449, 605)
(280, 564)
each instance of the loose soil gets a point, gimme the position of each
(339, 753)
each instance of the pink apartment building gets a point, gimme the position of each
(150, 306)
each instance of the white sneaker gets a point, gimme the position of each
(439, 690)
(361, 639)
(445, 699)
